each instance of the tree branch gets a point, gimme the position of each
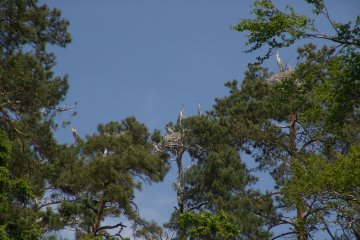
(197, 207)
(109, 227)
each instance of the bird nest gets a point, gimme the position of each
(172, 140)
(278, 77)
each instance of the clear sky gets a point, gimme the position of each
(148, 58)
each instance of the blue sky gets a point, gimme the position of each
(148, 58)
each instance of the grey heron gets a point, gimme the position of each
(279, 62)
(181, 117)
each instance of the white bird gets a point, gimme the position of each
(279, 62)
(105, 152)
(170, 130)
(75, 134)
(199, 110)
(181, 116)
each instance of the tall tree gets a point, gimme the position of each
(29, 97)
(14, 193)
(215, 184)
(111, 164)
(307, 118)
(287, 120)
(299, 119)
(275, 28)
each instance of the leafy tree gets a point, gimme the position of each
(336, 184)
(301, 126)
(111, 164)
(14, 192)
(29, 97)
(150, 230)
(215, 181)
(299, 120)
(207, 226)
(286, 119)
(276, 28)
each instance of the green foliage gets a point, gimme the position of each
(291, 128)
(275, 28)
(51, 220)
(28, 84)
(14, 193)
(272, 27)
(207, 226)
(150, 231)
(314, 175)
(3, 234)
(217, 179)
(300, 125)
(335, 184)
(111, 164)
(5, 149)
(29, 95)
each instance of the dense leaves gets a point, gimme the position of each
(216, 180)
(29, 96)
(288, 123)
(207, 226)
(299, 126)
(276, 28)
(111, 164)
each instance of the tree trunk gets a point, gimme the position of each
(300, 210)
(180, 187)
(98, 218)
(300, 214)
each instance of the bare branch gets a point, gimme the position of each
(197, 207)
(64, 108)
(110, 227)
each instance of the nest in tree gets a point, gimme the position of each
(172, 140)
(278, 77)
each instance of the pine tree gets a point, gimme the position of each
(110, 165)
(215, 184)
(297, 123)
(29, 97)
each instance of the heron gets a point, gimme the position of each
(279, 62)
(170, 130)
(181, 116)
(198, 109)
(75, 134)
(285, 71)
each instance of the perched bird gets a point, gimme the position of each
(181, 117)
(105, 153)
(285, 71)
(279, 62)
(170, 130)
(75, 134)
(198, 109)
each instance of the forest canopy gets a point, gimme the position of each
(300, 126)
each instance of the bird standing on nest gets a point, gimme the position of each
(181, 117)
